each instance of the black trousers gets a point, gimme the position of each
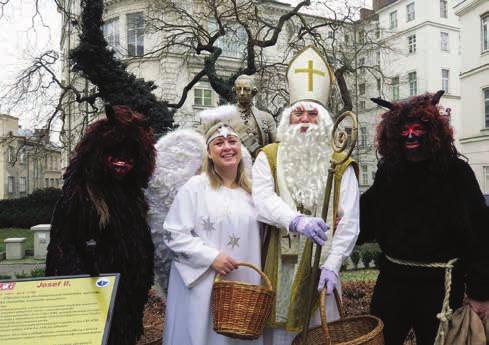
(403, 305)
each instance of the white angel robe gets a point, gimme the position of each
(201, 223)
(279, 211)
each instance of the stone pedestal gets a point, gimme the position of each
(15, 248)
(41, 240)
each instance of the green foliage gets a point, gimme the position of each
(38, 272)
(30, 210)
(360, 275)
(355, 258)
(13, 232)
(22, 275)
(5, 277)
(377, 255)
(367, 257)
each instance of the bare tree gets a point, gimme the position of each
(202, 30)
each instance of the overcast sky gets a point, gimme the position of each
(23, 37)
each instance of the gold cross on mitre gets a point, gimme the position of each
(310, 74)
(309, 77)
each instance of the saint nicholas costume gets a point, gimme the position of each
(284, 188)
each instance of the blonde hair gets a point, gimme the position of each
(216, 181)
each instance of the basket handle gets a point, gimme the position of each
(322, 311)
(268, 283)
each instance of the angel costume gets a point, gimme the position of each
(201, 223)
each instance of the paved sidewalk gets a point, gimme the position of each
(25, 265)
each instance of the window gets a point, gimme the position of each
(379, 85)
(363, 137)
(361, 89)
(233, 43)
(393, 20)
(413, 84)
(330, 34)
(443, 9)
(444, 79)
(51, 182)
(361, 105)
(135, 34)
(377, 58)
(361, 36)
(22, 184)
(111, 35)
(347, 38)
(361, 61)
(444, 40)
(11, 154)
(395, 88)
(202, 97)
(412, 44)
(11, 181)
(22, 157)
(486, 107)
(485, 32)
(46, 182)
(57, 182)
(377, 32)
(410, 12)
(364, 175)
(485, 173)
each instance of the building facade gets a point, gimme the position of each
(28, 161)
(418, 51)
(474, 84)
(134, 43)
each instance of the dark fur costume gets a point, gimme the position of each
(112, 210)
(428, 211)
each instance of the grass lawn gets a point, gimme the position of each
(362, 274)
(13, 232)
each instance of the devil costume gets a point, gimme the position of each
(103, 204)
(424, 212)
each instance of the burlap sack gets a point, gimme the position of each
(466, 328)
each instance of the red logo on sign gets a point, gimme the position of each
(7, 286)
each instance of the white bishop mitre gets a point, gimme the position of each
(310, 77)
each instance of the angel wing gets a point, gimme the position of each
(179, 156)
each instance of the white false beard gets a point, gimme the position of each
(305, 161)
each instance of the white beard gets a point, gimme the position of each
(305, 161)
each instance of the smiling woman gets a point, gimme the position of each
(210, 227)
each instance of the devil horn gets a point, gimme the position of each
(436, 97)
(109, 112)
(382, 102)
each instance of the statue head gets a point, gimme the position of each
(245, 89)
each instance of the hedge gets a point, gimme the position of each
(28, 211)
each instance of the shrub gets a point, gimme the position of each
(38, 272)
(367, 257)
(377, 255)
(5, 277)
(30, 210)
(357, 296)
(22, 275)
(355, 258)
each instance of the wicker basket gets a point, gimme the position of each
(355, 330)
(240, 310)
